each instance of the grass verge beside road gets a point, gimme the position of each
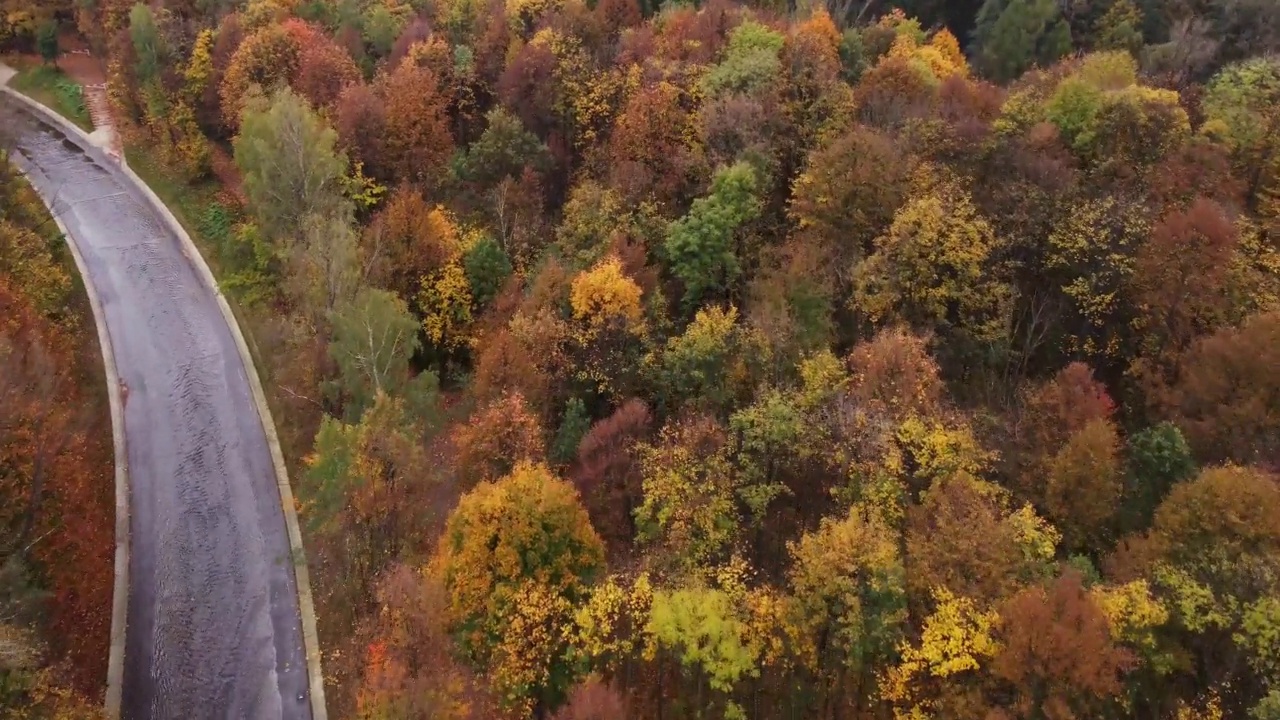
(49, 85)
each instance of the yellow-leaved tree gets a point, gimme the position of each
(604, 294)
(689, 515)
(933, 268)
(956, 643)
(516, 557)
(445, 300)
(847, 578)
(608, 328)
(941, 56)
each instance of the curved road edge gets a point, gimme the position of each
(306, 607)
(120, 589)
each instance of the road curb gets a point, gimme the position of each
(120, 588)
(306, 606)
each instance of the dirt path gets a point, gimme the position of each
(78, 63)
(89, 70)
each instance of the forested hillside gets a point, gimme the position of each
(878, 360)
(56, 489)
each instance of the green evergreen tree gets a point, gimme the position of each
(701, 244)
(1159, 458)
(147, 44)
(374, 338)
(292, 168)
(1010, 36)
(47, 41)
(504, 149)
(853, 55)
(573, 425)
(487, 268)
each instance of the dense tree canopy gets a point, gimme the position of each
(56, 490)
(864, 358)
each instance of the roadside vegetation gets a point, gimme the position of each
(49, 85)
(57, 496)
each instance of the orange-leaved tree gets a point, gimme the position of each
(418, 140)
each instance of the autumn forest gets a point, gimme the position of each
(636, 359)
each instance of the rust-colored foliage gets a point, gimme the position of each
(1195, 170)
(56, 492)
(500, 435)
(1226, 398)
(406, 241)
(1057, 655)
(615, 16)
(848, 194)
(324, 69)
(738, 126)
(959, 539)
(968, 106)
(1179, 276)
(811, 68)
(1061, 407)
(649, 150)
(506, 365)
(418, 30)
(418, 140)
(409, 668)
(895, 92)
(907, 220)
(1083, 485)
(894, 372)
(1224, 513)
(608, 471)
(434, 54)
(360, 118)
(549, 290)
(577, 20)
(816, 36)
(527, 87)
(593, 699)
(637, 45)
(302, 32)
(962, 99)
(633, 252)
(493, 37)
(226, 41)
(694, 37)
(265, 59)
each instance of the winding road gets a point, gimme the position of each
(213, 625)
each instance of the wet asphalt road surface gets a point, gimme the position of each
(213, 628)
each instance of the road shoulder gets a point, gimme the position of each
(306, 605)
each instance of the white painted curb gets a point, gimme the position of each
(120, 589)
(306, 607)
